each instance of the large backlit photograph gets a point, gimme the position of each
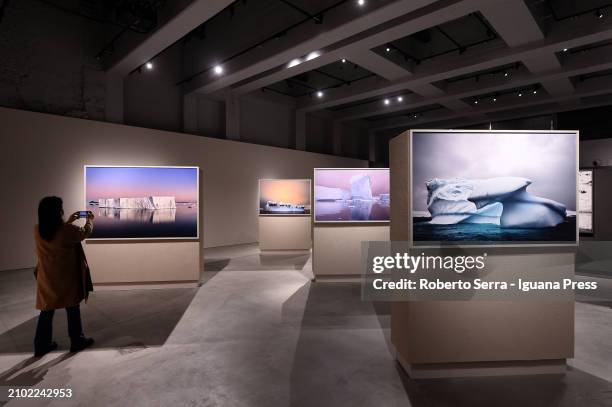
(351, 195)
(143, 202)
(288, 197)
(476, 187)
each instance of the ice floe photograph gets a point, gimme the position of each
(585, 201)
(286, 197)
(494, 187)
(143, 202)
(351, 195)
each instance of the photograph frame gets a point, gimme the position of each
(137, 239)
(347, 222)
(494, 244)
(284, 214)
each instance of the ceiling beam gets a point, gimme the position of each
(303, 41)
(176, 28)
(407, 19)
(593, 87)
(381, 66)
(579, 32)
(597, 60)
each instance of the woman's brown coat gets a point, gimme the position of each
(62, 274)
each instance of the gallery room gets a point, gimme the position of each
(306, 203)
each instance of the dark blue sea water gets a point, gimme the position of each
(181, 222)
(424, 232)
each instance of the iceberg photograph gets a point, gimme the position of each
(143, 202)
(494, 187)
(585, 201)
(351, 195)
(286, 197)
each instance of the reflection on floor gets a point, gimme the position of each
(258, 332)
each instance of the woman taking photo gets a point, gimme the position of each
(62, 274)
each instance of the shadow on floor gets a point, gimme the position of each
(215, 264)
(344, 352)
(259, 261)
(116, 319)
(573, 389)
(21, 376)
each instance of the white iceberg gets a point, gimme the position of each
(501, 201)
(361, 187)
(151, 202)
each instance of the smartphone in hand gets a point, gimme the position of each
(83, 214)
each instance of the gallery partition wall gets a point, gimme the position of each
(511, 195)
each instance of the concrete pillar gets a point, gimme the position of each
(300, 130)
(232, 117)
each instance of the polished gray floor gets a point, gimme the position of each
(258, 332)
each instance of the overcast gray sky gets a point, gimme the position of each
(547, 159)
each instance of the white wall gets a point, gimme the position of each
(44, 155)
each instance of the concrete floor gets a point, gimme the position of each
(258, 332)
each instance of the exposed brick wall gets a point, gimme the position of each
(47, 61)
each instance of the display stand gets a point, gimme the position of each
(284, 233)
(336, 253)
(144, 264)
(477, 337)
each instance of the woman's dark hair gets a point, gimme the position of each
(50, 212)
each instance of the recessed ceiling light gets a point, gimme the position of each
(313, 55)
(520, 94)
(319, 94)
(599, 14)
(495, 99)
(506, 74)
(535, 91)
(564, 49)
(343, 60)
(386, 101)
(149, 65)
(294, 62)
(388, 49)
(218, 69)
(361, 2)
(400, 99)
(475, 101)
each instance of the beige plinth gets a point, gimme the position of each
(285, 233)
(337, 249)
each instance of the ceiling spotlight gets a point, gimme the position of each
(400, 99)
(520, 94)
(319, 94)
(564, 49)
(495, 99)
(387, 101)
(388, 49)
(294, 62)
(599, 14)
(416, 115)
(344, 60)
(149, 65)
(506, 74)
(313, 55)
(361, 2)
(218, 69)
(535, 91)
(475, 101)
